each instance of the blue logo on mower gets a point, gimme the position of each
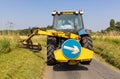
(71, 49)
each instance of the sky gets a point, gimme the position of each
(30, 13)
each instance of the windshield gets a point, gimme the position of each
(67, 21)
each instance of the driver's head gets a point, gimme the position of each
(67, 22)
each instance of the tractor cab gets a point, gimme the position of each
(69, 21)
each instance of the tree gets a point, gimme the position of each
(112, 25)
(117, 24)
(49, 27)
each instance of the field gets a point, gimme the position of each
(19, 63)
(108, 47)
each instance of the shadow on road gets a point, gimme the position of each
(65, 67)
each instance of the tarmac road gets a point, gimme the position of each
(95, 70)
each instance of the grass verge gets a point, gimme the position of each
(19, 63)
(22, 64)
(8, 43)
(103, 61)
(108, 48)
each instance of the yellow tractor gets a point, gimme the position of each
(67, 41)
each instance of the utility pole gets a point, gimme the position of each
(10, 27)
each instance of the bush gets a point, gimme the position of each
(8, 43)
(4, 45)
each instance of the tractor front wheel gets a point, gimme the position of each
(51, 41)
(86, 41)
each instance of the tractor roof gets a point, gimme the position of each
(67, 12)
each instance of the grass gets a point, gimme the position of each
(19, 63)
(108, 48)
(103, 61)
(40, 39)
(8, 43)
(4, 45)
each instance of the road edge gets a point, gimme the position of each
(102, 60)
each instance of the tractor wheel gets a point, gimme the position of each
(86, 41)
(51, 44)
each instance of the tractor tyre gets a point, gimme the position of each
(86, 41)
(51, 44)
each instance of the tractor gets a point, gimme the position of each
(67, 42)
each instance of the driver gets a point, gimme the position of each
(67, 25)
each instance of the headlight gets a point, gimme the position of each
(81, 12)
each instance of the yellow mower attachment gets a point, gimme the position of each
(72, 53)
(86, 55)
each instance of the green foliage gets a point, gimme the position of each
(49, 27)
(114, 26)
(8, 32)
(108, 48)
(117, 26)
(30, 30)
(25, 32)
(4, 45)
(4, 32)
(8, 43)
(112, 23)
(20, 63)
(40, 39)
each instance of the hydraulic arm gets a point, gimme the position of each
(27, 43)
